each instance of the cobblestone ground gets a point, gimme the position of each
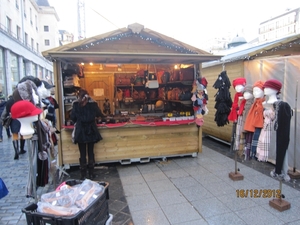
(14, 173)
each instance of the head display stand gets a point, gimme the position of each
(278, 202)
(27, 132)
(235, 176)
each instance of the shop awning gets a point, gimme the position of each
(130, 58)
(132, 45)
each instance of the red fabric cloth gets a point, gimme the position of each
(234, 108)
(242, 106)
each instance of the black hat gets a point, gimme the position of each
(47, 85)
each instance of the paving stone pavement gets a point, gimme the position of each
(13, 173)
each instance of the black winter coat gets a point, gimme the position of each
(86, 129)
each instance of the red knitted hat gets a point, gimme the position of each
(239, 81)
(274, 84)
(24, 108)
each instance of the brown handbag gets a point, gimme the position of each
(175, 75)
(123, 79)
(135, 95)
(186, 74)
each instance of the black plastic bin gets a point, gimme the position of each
(95, 214)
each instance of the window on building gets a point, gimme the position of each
(34, 70)
(24, 7)
(46, 28)
(37, 47)
(32, 44)
(2, 71)
(18, 32)
(47, 42)
(35, 22)
(8, 24)
(26, 39)
(14, 68)
(17, 4)
(30, 15)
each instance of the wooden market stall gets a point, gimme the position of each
(130, 61)
(279, 59)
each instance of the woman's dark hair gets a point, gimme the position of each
(83, 97)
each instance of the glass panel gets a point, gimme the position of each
(34, 70)
(14, 68)
(2, 75)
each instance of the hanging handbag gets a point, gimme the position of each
(6, 122)
(3, 189)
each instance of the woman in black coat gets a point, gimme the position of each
(84, 112)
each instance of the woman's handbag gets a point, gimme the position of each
(6, 122)
(3, 189)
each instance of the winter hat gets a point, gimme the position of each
(24, 91)
(259, 84)
(47, 85)
(248, 88)
(35, 80)
(274, 84)
(24, 108)
(239, 81)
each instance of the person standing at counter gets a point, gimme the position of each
(84, 112)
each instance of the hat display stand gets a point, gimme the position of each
(235, 176)
(294, 174)
(27, 132)
(279, 203)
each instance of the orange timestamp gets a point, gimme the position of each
(258, 193)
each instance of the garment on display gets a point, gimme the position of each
(223, 99)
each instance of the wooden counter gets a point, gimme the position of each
(139, 142)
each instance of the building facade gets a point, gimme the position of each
(27, 27)
(281, 26)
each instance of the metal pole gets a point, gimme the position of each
(295, 128)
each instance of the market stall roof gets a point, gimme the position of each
(284, 46)
(132, 45)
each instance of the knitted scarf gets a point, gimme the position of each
(234, 108)
(242, 106)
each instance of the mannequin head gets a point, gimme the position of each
(248, 92)
(258, 89)
(26, 112)
(247, 95)
(239, 84)
(239, 88)
(270, 91)
(257, 92)
(26, 129)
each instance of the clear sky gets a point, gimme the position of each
(191, 21)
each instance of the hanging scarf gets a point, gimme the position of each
(234, 108)
(242, 106)
(255, 118)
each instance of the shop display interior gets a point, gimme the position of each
(139, 92)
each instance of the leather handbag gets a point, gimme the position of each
(186, 74)
(6, 122)
(123, 79)
(165, 77)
